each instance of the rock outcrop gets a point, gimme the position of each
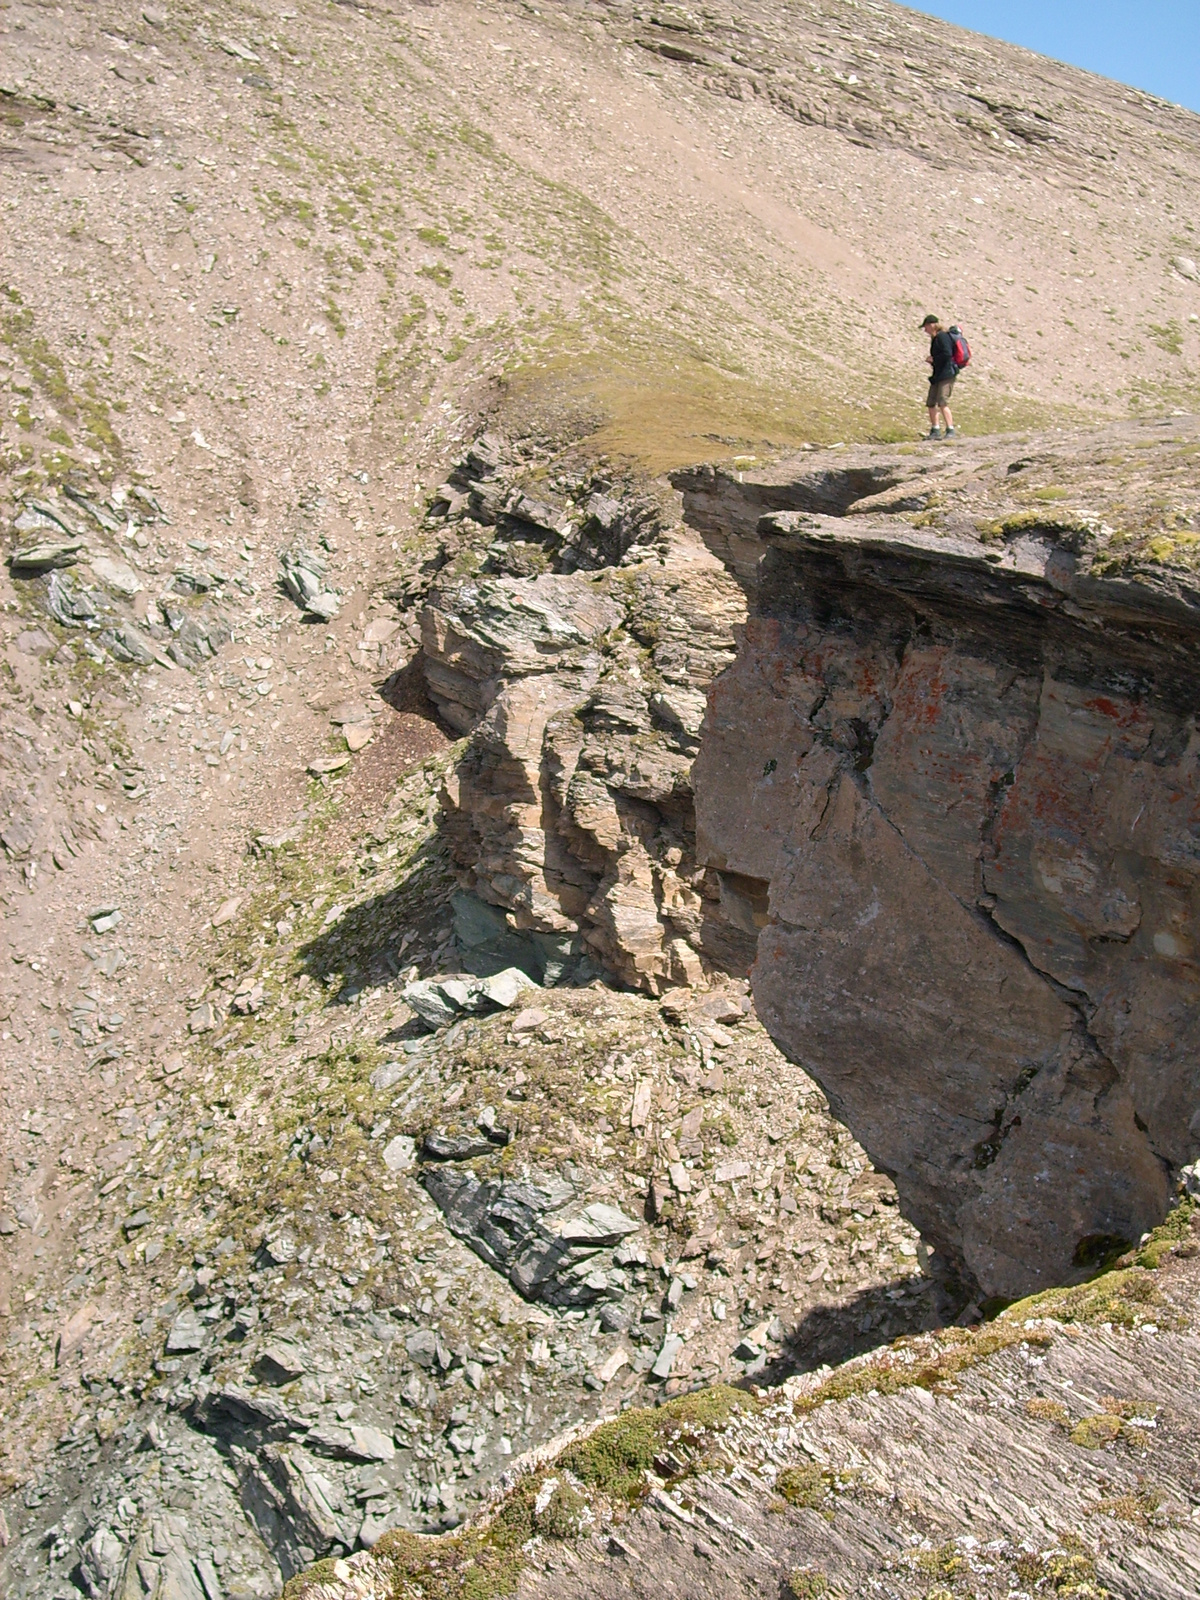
(956, 767)
(570, 812)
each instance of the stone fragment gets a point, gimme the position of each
(48, 553)
(371, 1444)
(358, 736)
(226, 911)
(322, 766)
(348, 712)
(439, 1001)
(33, 642)
(400, 1153)
(639, 1111)
(203, 1019)
(422, 1347)
(529, 1019)
(612, 1365)
(100, 1563)
(731, 1171)
(665, 1360)
(117, 575)
(186, 1334)
(449, 1147)
(303, 577)
(389, 1074)
(291, 1502)
(280, 1362)
(75, 1330)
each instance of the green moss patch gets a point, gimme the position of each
(615, 1458)
(932, 1361)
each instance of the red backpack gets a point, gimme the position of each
(962, 350)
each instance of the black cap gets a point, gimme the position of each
(930, 318)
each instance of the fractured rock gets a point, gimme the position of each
(571, 811)
(440, 1001)
(529, 1232)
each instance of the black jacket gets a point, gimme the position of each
(941, 349)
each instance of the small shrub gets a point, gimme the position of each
(1094, 1432)
(1048, 1411)
(803, 1486)
(805, 1584)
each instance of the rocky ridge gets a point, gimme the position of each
(639, 1178)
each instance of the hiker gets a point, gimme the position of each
(941, 377)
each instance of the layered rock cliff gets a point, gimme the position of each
(945, 798)
(583, 687)
(956, 763)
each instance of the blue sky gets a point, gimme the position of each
(1152, 44)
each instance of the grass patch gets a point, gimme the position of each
(1094, 1432)
(930, 1362)
(1121, 1298)
(807, 1486)
(615, 1458)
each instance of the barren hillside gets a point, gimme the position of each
(383, 1086)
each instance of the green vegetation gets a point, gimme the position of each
(808, 1486)
(808, 1584)
(931, 1361)
(553, 1503)
(1093, 1432)
(1168, 337)
(616, 1457)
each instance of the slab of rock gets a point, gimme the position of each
(117, 575)
(280, 1362)
(534, 1233)
(400, 1153)
(440, 1001)
(45, 555)
(186, 1334)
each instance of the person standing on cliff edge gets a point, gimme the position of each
(941, 377)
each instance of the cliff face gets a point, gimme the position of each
(957, 763)
(570, 812)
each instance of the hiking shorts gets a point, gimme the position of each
(939, 394)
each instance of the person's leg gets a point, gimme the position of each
(947, 419)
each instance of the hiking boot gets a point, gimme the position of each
(949, 433)
(934, 433)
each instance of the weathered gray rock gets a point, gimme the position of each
(293, 1504)
(303, 576)
(186, 1335)
(400, 1153)
(100, 1562)
(570, 813)
(440, 1001)
(46, 554)
(534, 1234)
(279, 1362)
